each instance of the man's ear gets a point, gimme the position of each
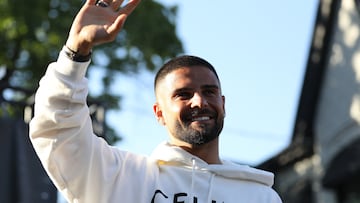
(158, 113)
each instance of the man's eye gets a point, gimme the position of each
(209, 92)
(183, 95)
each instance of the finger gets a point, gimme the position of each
(129, 7)
(116, 4)
(90, 2)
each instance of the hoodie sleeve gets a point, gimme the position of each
(81, 165)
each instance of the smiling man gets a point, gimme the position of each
(189, 103)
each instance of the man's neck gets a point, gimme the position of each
(208, 152)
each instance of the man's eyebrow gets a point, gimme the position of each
(210, 87)
(182, 89)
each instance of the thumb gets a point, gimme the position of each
(118, 24)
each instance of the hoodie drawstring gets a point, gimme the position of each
(193, 167)
(210, 187)
(193, 163)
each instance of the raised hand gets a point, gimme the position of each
(98, 23)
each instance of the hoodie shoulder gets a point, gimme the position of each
(243, 172)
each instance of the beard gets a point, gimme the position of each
(203, 133)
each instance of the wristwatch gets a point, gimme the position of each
(75, 56)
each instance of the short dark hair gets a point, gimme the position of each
(179, 62)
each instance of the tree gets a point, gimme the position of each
(33, 32)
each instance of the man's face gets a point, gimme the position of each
(190, 105)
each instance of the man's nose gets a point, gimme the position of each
(198, 100)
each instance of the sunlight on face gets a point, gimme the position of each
(190, 105)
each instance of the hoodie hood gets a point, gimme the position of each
(166, 154)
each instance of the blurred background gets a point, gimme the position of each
(290, 72)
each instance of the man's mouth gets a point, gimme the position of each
(197, 115)
(201, 118)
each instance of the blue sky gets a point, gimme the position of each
(259, 49)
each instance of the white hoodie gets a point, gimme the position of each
(87, 170)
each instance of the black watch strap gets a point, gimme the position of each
(74, 56)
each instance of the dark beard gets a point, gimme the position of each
(198, 137)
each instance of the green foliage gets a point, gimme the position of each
(33, 32)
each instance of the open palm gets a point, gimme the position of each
(95, 25)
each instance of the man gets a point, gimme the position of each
(189, 104)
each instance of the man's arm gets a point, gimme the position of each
(61, 131)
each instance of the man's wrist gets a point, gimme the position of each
(76, 56)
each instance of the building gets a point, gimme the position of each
(322, 163)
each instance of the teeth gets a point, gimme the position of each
(204, 118)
